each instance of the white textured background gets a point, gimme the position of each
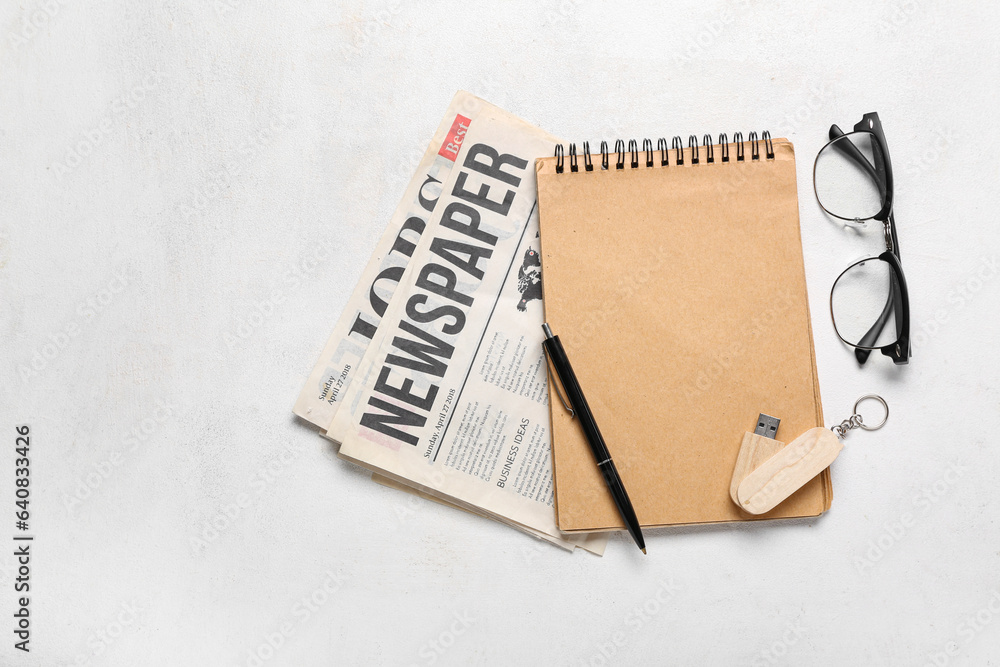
(188, 192)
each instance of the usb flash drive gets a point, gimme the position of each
(757, 447)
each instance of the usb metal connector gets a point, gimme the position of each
(767, 425)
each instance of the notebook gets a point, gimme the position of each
(674, 279)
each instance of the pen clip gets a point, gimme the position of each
(553, 377)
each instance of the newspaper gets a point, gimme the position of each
(333, 373)
(450, 395)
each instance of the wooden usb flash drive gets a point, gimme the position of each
(768, 471)
(757, 447)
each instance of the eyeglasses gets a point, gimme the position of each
(852, 178)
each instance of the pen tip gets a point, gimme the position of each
(644, 550)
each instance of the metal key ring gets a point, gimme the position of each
(874, 397)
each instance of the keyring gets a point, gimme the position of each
(874, 397)
(767, 472)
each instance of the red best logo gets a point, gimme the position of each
(456, 135)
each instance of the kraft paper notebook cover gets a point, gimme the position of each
(675, 280)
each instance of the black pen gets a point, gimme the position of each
(578, 407)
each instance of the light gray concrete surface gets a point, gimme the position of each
(189, 191)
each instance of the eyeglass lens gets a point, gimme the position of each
(860, 300)
(846, 177)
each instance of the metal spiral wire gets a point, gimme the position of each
(703, 152)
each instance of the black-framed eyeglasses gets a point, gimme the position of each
(869, 303)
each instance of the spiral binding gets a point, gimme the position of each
(706, 148)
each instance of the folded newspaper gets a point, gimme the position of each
(434, 376)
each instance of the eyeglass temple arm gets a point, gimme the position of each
(869, 338)
(893, 303)
(870, 122)
(850, 150)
